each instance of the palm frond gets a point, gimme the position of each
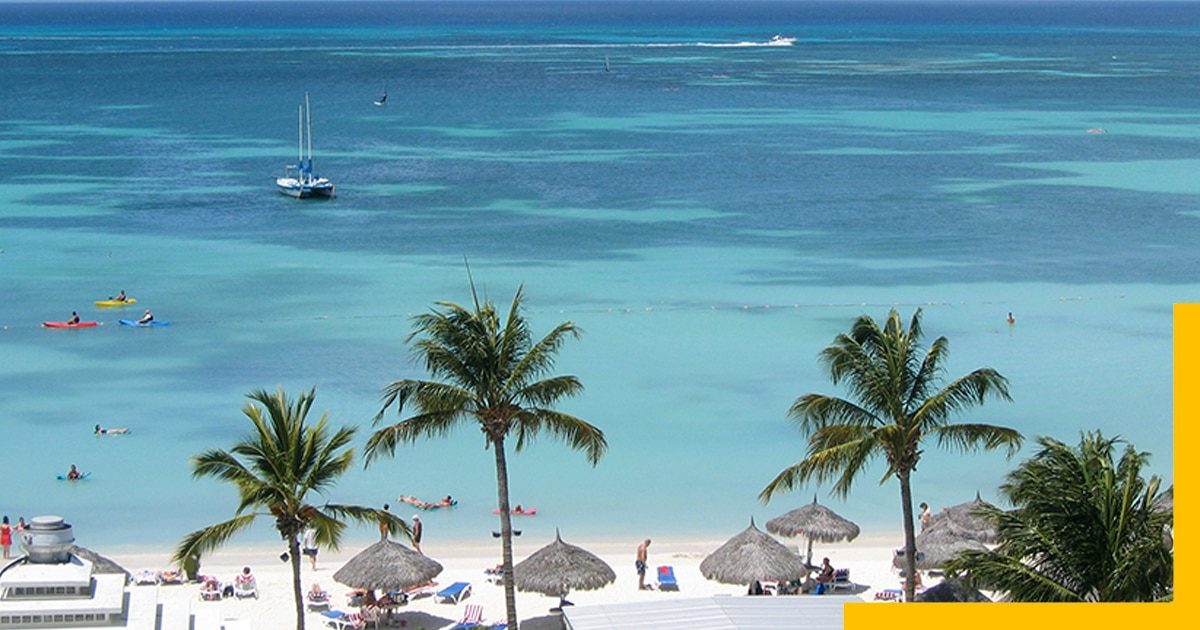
(577, 434)
(202, 541)
(968, 437)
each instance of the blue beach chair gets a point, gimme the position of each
(666, 579)
(454, 593)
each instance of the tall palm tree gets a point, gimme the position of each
(896, 407)
(1085, 528)
(275, 468)
(491, 373)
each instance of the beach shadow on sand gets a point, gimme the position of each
(547, 622)
(419, 619)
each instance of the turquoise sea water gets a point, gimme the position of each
(712, 211)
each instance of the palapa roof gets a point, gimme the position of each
(938, 544)
(559, 568)
(100, 564)
(816, 522)
(951, 590)
(387, 566)
(752, 555)
(963, 518)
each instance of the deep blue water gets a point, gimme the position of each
(899, 153)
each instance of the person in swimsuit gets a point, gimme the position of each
(5, 536)
(417, 530)
(74, 318)
(641, 564)
(73, 474)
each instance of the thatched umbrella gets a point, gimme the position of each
(100, 564)
(1166, 500)
(814, 522)
(753, 555)
(951, 590)
(963, 518)
(938, 544)
(559, 568)
(387, 566)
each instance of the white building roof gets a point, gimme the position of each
(719, 612)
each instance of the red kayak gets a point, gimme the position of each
(68, 324)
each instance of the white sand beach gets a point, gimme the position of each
(869, 561)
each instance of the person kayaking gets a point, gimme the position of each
(73, 474)
(147, 318)
(121, 296)
(74, 318)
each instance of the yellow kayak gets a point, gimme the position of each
(115, 302)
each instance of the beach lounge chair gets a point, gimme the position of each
(666, 579)
(170, 577)
(455, 593)
(889, 595)
(318, 602)
(423, 590)
(494, 575)
(211, 590)
(370, 616)
(344, 621)
(841, 580)
(246, 587)
(472, 617)
(146, 577)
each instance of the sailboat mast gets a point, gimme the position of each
(300, 134)
(308, 113)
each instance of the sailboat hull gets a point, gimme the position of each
(292, 187)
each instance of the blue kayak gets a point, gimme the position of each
(133, 322)
(81, 477)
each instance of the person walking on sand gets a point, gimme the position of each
(641, 564)
(416, 533)
(310, 546)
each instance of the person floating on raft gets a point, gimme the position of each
(447, 501)
(99, 430)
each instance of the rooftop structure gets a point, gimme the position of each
(52, 587)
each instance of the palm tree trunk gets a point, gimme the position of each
(910, 537)
(510, 592)
(294, 555)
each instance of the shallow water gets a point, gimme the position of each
(711, 212)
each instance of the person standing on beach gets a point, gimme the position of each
(925, 516)
(641, 564)
(416, 533)
(383, 525)
(5, 536)
(310, 546)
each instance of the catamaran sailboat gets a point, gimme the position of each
(299, 181)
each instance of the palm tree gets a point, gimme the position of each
(490, 370)
(897, 407)
(1085, 528)
(275, 468)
